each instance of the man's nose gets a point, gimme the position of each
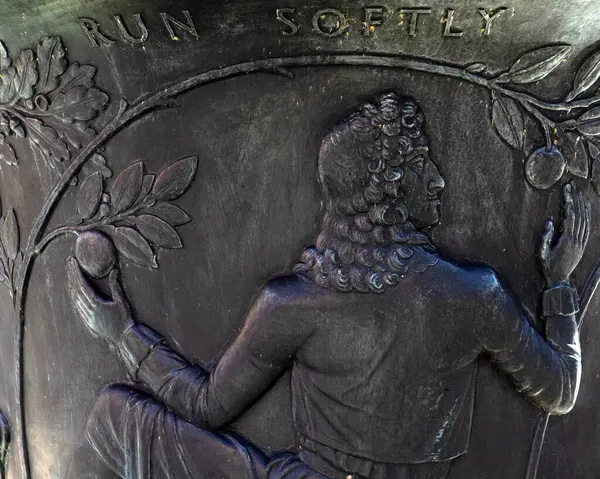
(436, 183)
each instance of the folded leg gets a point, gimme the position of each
(132, 436)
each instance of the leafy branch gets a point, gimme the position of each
(572, 144)
(10, 255)
(46, 103)
(137, 214)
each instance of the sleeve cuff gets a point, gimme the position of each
(135, 346)
(560, 300)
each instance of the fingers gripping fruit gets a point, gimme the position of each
(95, 253)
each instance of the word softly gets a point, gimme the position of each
(330, 22)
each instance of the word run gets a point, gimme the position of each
(98, 37)
(330, 22)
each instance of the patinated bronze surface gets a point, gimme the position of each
(300, 240)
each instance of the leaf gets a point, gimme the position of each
(9, 232)
(170, 213)
(147, 183)
(79, 103)
(7, 85)
(47, 140)
(593, 149)
(133, 247)
(5, 60)
(172, 182)
(76, 133)
(576, 156)
(586, 77)
(535, 65)
(75, 76)
(41, 157)
(595, 177)
(126, 187)
(476, 68)
(158, 232)
(3, 274)
(90, 195)
(51, 63)
(589, 122)
(508, 121)
(7, 153)
(26, 74)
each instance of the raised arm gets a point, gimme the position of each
(262, 350)
(545, 369)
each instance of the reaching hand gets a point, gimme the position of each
(558, 262)
(108, 319)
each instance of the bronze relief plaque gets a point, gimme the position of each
(299, 240)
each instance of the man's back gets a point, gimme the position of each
(390, 377)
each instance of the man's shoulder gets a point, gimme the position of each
(289, 302)
(477, 278)
(291, 289)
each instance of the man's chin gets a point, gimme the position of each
(430, 226)
(428, 221)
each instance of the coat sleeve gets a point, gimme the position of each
(545, 368)
(262, 350)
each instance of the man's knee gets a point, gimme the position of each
(98, 452)
(110, 410)
(113, 397)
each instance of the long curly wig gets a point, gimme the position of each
(367, 243)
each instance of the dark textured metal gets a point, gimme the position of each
(304, 237)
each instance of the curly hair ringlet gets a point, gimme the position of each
(367, 243)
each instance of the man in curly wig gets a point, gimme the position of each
(380, 332)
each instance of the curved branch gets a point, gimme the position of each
(63, 230)
(27, 263)
(566, 107)
(547, 125)
(44, 215)
(544, 105)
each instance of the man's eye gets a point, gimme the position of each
(417, 164)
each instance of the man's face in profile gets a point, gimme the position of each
(422, 185)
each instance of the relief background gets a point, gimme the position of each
(255, 201)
